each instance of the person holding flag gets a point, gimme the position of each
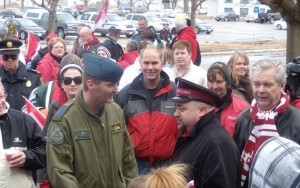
(33, 46)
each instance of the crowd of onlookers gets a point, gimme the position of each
(146, 115)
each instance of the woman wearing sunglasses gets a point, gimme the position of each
(69, 80)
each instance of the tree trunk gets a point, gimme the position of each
(148, 6)
(22, 4)
(193, 12)
(185, 6)
(86, 3)
(293, 41)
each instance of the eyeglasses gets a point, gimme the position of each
(68, 80)
(6, 57)
(3, 96)
(58, 47)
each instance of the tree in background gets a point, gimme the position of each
(52, 11)
(131, 2)
(148, 2)
(194, 5)
(290, 12)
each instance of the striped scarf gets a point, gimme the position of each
(264, 128)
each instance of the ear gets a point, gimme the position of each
(90, 85)
(202, 111)
(282, 85)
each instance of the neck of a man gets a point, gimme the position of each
(182, 68)
(151, 84)
(93, 106)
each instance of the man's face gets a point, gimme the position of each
(182, 57)
(143, 25)
(86, 37)
(104, 91)
(187, 114)
(218, 85)
(10, 62)
(151, 65)
(266, 91)
(2, 101)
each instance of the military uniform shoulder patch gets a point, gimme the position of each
(56, 135)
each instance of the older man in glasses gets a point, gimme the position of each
(16, 79)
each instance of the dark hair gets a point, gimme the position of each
(147, 36)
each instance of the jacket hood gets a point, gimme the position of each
(94, 41)
(188, 31)
(43, 51)
(130, 56)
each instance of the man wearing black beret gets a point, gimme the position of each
(88, 143)
(16, 79)
(204, 144)
(112, 44)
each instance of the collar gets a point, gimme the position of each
(20, 74)
(185, 72)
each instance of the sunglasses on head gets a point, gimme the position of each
(68, 80)
(6, 57)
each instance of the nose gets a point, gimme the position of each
(176, 114)
(261, 88)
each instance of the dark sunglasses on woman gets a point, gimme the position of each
(68, 80)
(6, 57)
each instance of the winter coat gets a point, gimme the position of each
(189, 34)
(89, 151)
(19, 84)
(150, 121)
(115, 49)
(38, 57)
(211, 153)
(128, 59)
(21, 132)
(228, 109)
(89, 47)
(48, 67)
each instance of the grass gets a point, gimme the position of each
(244, 46)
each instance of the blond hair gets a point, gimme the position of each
(173, 176)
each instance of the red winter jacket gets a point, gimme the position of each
(296, 103)
(189, 34)
(230, 113)
(128, 59)
(48, 68)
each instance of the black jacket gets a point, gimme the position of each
(287, 124)
(19, 84)
(21, 131)
(114, 48)
(211, 153)
(38, 57)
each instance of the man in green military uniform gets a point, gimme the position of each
(88, 144)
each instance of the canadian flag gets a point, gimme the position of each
(37, 115)
(101, 16)
(33, 47)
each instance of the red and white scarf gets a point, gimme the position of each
(264, 128)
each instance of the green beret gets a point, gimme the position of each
(10, 46)
(101, 68)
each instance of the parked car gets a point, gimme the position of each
(65, 23)
(270, 16)
(280, 24)
(25, 25)
(252, 18)
(112, 20)
(227, 16)
(12, 13)
(154, 23)
(201, 26)
(3, 28)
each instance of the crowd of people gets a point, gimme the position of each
(146, 115)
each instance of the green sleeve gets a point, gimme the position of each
(129, 165)
(60, 156)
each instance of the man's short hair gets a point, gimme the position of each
(182, 44)
(86, 77)
(158, 50)
(143, 19)
(268, 64)
(180, 23)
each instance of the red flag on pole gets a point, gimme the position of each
(37, 115)
(33, 46)
(101, 16)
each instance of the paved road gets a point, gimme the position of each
(225, 32)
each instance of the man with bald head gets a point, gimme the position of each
(89, 43)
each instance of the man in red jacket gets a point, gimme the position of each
(89, 43)
(185, 32)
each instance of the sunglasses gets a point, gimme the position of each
(6, 57)
(68, 80)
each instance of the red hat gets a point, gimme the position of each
(51, 36)
(189, 91)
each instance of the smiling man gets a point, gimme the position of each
(270, 114)
(16, 79)
(149, 113)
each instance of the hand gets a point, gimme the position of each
(18, 160)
